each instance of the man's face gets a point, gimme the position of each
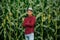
(29, 12)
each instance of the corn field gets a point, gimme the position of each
(47, 14)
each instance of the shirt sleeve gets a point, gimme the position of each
(32, 22)
(24, 23)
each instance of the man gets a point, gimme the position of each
(29, 23)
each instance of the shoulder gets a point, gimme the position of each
(34, 17)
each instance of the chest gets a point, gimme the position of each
(29, 19)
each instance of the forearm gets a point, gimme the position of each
(29, 24)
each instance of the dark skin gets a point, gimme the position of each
(29, 12)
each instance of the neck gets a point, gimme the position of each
(30, 15)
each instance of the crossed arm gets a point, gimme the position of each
(29, 23)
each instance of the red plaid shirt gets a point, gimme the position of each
(29, 23)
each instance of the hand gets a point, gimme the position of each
(22, 19)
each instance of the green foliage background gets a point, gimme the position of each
(47, 14)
